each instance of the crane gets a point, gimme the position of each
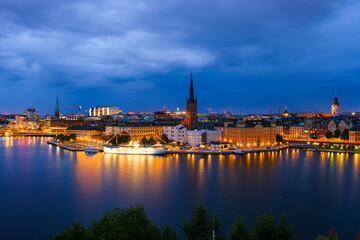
(209, 109)
(79, 107)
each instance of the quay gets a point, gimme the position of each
(70, 147)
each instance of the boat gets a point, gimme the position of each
(135, 149)
(91, 149)
(239, 151)
(310, 150)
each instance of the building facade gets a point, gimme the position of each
(103, 111)
(250, 133)
(354, 134)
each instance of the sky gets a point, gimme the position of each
(246, 56)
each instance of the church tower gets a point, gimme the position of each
(191, 120)
(57, 108)
(335, 107)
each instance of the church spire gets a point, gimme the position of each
(191, 96)
(57, 107)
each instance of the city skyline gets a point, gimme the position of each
(246, 57)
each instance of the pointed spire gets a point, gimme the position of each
(57, 107)
(191, 96)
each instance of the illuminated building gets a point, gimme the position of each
(335, 108)
(298, 131)
(83, 131)
(313, 114)
(60, 126)
(103, 111)
(31, 113)
(249, 133)
(137, 130)
(354, 134)
(191, 120)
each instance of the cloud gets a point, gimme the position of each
(63, 45)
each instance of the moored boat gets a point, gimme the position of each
(136, 149)
(239, 151)
(91, 149)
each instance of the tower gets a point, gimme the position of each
(335, 107)
(57, 108)
(191, 120)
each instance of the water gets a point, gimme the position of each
(43, 188)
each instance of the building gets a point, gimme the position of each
(354, 134)
(191, 120)
(280, 130)
(298, 131)
(137, 131)
(176, 133)
(335, 108)
(313, 114)
(249, 133)
(61, 126)
(31, 113)
(83, 131)
(103, 111)
(57, 108)
(193, 137)
(339, 124)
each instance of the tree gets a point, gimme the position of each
(75, 232)
(144, 141)
(265, 228)
(168, 233)
(202, 225)
(122, 138)
(337, 133)
(345, 134)
(279, 138)
(313, 136)
(101, 127)
(330, 236)
(129, 223)
(239, 230)
(164, 138)
(328, 134)
(204, 138)
(151, 141)
(285, 230)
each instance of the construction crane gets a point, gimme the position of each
(209, 109)
(79, 107)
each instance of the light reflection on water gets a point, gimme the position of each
(38, 181)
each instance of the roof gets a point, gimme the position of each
(82, 128)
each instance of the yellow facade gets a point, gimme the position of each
(138, 132)
(256, 136)
(354, 136)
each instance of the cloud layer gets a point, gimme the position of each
(246, 55)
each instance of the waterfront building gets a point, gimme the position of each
(191, 120)
(31, 113)
(335, 108)
(280, 130)
(176, 133)
(193, 137)
(57, 108)
(60, 125)
(83, 131)
(103, 111)
(249, 133)
(354, 134)
(298, 132)
(137, 131)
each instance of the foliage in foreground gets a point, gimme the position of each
(65, 138)
(132, 223)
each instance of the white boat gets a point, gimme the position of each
(136, 149)
(239, 151)
(91, 149)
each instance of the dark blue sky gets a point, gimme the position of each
(245, 55)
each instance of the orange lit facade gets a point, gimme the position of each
(354, 134)
(249, 134)
(137, 131)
